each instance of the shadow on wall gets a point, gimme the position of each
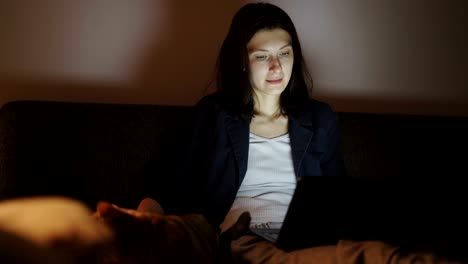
(387, 105)
(173, 66)
(179, 62)
(55, 90)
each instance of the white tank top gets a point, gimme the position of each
(268, 185)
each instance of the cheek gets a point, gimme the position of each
(289, 69)
(256, 72)
(288, 65)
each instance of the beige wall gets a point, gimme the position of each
(135, 51)
(394, 56)
(405, 56)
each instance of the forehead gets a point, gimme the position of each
(269, 39)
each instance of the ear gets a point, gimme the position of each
(150, 205)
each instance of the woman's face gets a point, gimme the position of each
(271, 61)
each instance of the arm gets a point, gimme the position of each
(332, 162)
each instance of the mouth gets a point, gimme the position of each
(276, 81)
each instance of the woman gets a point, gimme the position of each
(260, 131)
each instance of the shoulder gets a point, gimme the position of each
(210, 102)
(319, 115)
(318, 112)
(208, 110)
(215, 105)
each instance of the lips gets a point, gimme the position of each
(275, 81)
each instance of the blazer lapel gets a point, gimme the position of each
(300, 133)
(238, 131)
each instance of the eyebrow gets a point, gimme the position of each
(285, 46)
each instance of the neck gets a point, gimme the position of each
(267, 106)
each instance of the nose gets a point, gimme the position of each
(275, 65)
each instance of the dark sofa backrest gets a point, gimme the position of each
(123, 152)
(405, 146)
(114, 152)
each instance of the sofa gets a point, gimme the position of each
(122, 153)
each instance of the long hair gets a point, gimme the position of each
(232, 66)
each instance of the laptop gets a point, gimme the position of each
(324, 210)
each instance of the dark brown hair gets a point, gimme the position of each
(232, 68)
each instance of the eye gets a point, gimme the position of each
(261, 57)
(285, 53)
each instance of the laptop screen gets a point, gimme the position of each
(324, 210)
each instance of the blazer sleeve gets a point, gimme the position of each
(332, 162)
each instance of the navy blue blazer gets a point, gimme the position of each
(217, 156)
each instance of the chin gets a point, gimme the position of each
(276, 90)
(269, 89)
